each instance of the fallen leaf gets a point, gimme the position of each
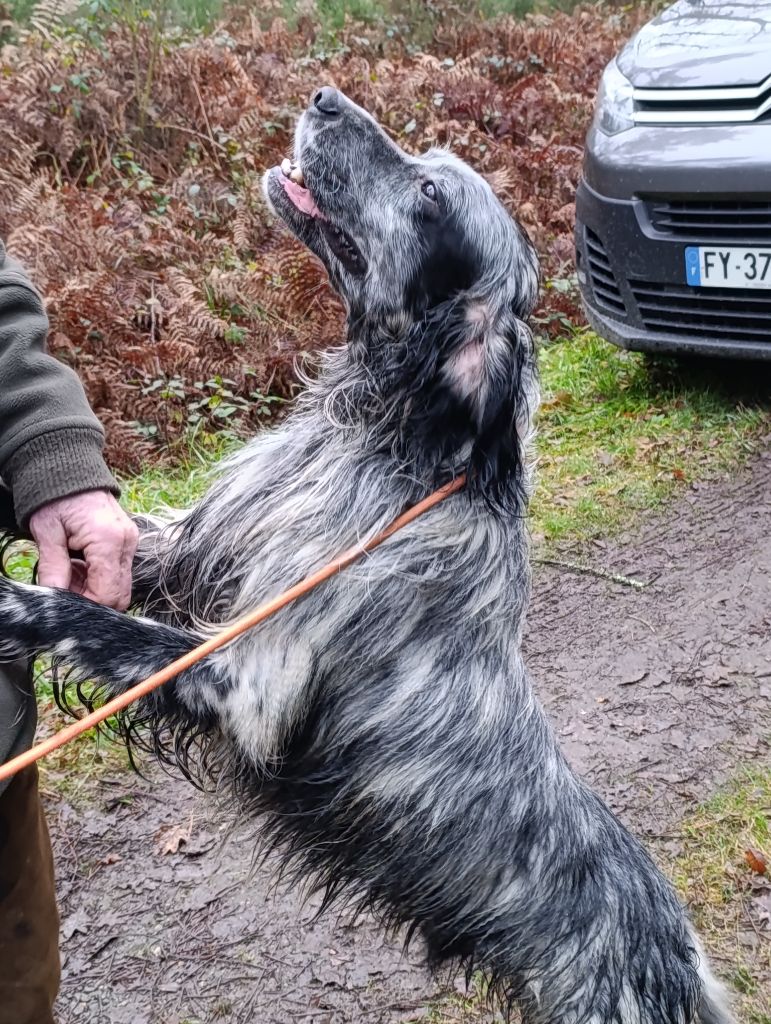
(172, 837)
(634, 675)
(756, 861)
(561, 398)
(77, 922)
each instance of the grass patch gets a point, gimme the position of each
(414, 19)
(179, 487)
(458, 1009)
(730, 903)
(618, 434)
(69, 771)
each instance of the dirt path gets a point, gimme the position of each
(656, 693)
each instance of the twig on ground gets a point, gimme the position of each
(588, 570)
(638, 618)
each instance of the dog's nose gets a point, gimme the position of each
(327, 101)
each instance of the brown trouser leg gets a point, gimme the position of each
(29, 921)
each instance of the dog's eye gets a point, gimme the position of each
(429, 190)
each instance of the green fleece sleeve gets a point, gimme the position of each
(50, 441)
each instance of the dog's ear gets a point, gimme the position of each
(493, 370)
(460, 382)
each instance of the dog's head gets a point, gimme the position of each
(437, 277)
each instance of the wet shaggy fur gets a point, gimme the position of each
(384, 726)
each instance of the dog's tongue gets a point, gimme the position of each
(301, 197)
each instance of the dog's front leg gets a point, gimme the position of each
(254, 691)
(99, 643)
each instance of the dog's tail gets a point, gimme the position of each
(714, 1003)
(713, 1006)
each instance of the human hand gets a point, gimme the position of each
(92, 523)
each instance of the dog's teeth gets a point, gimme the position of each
(296, 176)
(286, 167)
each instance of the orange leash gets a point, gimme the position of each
(243, 624)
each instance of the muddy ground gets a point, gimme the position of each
(656, 693)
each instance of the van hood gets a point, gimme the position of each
(701, 44)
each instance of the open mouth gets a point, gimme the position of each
(340, 242)
(293, 184)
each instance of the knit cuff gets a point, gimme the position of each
(56, 465)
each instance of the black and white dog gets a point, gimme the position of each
(384, 726)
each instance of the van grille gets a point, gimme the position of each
(728, 314)
(737, 221)
(743, 104)
(604, 282)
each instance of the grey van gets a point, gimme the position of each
(673, 210)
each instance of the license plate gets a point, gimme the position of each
(710, 267)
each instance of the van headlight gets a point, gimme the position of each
(614, 110)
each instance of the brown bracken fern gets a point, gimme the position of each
(139, 213)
